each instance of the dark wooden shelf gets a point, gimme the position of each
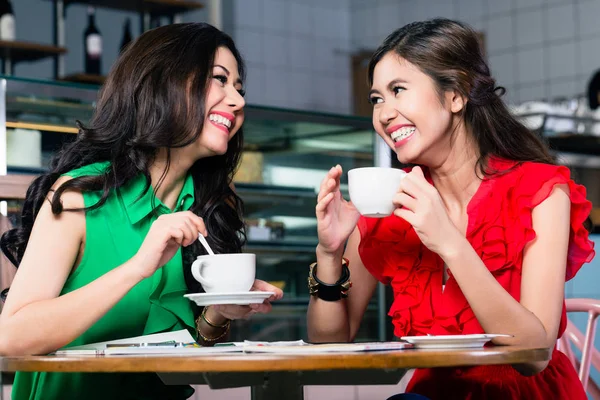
(155, 7)
(28, 51)
(84, 78)
(580, 144)
(7, 378)
(14, 187)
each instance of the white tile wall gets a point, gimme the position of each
(300, 89)
(324, 55)
(503, 68)
(275, 15)
(554, 45)
(500, 34)
(589, 52)
(275, 86)
(560, 22)
(299, 15)
(438, 8)
(511, 96)
(564, 87)
(529, 28)
(363, 26)
(249, 14)
(470, 10)
(276, 51)
(535, 91)
(251, 45)
(298, 39)
(298, 52)
(389, 18)
(587, 13)
(496, 7)
(255, 83)
(520, 4)
(561, 59)
(531, 65)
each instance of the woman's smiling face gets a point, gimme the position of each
(224, 104)
(408, 111)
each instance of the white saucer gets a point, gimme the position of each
(239, 298)
(451, 341)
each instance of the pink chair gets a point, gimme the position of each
(573, 336)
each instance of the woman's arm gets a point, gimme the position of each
(35, 319)
(533, 321)
(338, 321)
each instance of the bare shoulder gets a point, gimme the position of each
(70, 198)
(557, 201)
(52, 251)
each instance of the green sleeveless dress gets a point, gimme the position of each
(114, 233)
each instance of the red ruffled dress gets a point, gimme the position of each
(499, 227)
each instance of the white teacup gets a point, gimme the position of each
(225, 273)
(372, 189)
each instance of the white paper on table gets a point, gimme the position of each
(181, 336)
(301, 347)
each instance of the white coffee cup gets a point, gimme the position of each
(225, 273)
(372, 189)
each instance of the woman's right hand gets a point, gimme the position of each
(336, 217)
(167, 234)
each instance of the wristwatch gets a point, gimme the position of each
(326, 291)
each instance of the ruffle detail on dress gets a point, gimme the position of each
(502, 227)
(499, 227)
(391, 250)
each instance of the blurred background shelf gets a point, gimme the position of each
(13, 52)
(19, 51)
(84, 78)
(156, 7)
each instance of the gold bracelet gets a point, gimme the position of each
(209, 340)
(210, 323)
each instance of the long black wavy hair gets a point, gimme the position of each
(153, 99)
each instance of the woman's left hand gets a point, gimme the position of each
(419, 203)
(232, 311)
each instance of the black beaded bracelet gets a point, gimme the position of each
(327, 291)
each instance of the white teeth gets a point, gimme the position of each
(402, 133)
(220, 120)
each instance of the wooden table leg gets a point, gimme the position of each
(279, 385)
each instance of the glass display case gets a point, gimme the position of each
(287, 154)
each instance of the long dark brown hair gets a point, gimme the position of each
(153, 99)
(449, 52)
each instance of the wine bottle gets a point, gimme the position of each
(127, 37)
(7, 21)
(92, 40)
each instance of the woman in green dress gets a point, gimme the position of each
(108, 235)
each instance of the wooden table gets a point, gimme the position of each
(280, 376)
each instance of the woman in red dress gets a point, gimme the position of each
(486, 231)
